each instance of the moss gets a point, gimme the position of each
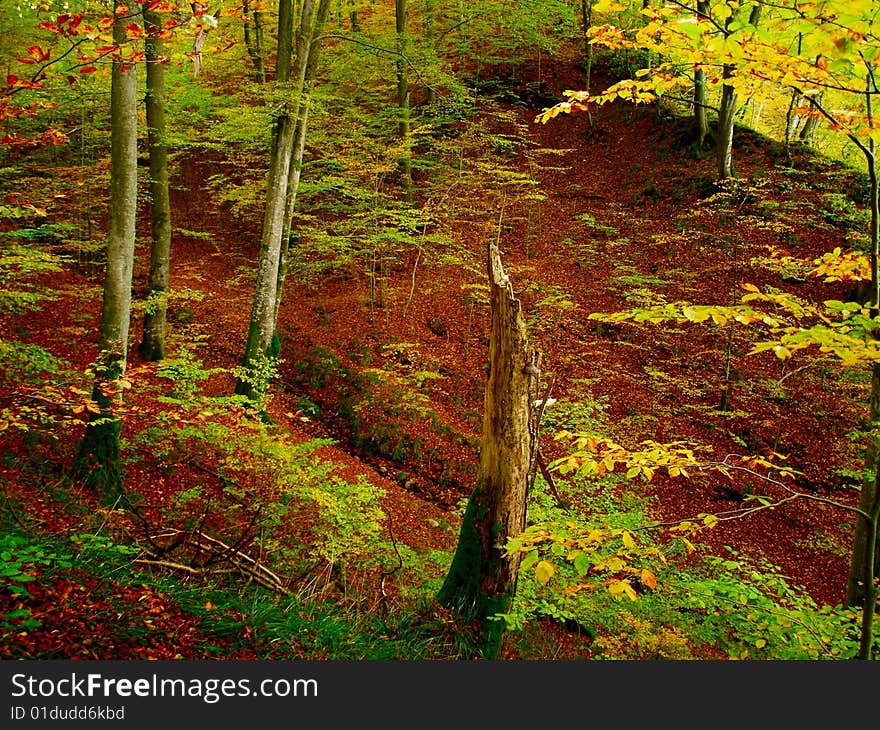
(462, 589)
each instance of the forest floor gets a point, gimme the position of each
(625, 220)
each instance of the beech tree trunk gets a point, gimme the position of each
(152, 345)
(586, 24)
(726, 123)
(253, 40)
(308, 48)
(403, 112)
(701, 118)
(98, 459)
(811, 124)
(864, 566)
(262, 341)
(482, 580)
(285, 40)
(727, 112)
(261, 328)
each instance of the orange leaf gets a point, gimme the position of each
(649, 580)
(38, 54)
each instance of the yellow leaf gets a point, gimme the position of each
(544, 571)
(649, 580)
(782, 352)
(628, 541)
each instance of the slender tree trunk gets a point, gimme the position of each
(285, 40)
(864, 564)
(262, 340)
(253, 40)
(296, 159)
(726, 124)
(354, 18)
(701, 117)
(587, 23)
(430, 23)
(727, 112)
(152, 345)
(307, 56)
(482, 579)
(261, 328)
(98, 460)
(403, 120)
(808, 131)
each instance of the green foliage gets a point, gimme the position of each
(259, 374)
(571, 415)
(19, 265)
(21, 561)
(158, 300)
(635, 595)
(27, 363)
(751, 611)
(838, 210)
(186, 373)
(263, 472)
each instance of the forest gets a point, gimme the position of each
(431, 329)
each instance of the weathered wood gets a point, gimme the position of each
(482, 579)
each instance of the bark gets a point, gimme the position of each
(98, 459)
(403, 111)
(701, 118)
(354, 18)
(811, 124)
(587, 23)
(726, 124)
(482, 580)
(430, 23)
(261, 328)
(285, 40)
(288, 139)
(308, 53)
(727, 112)
(253, 40)
(152, 345)
(865, 562)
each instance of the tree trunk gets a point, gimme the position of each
(152, 345)
(864, 560)
(289, 137)
(726, 123)
(403, 120)
(261, 328)
(811, 124)
(253, 40)
(307, 55)
(482, 579)
(285, 40)
(98, 460)
(587, 23)
(701, 117)
(430, 23)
